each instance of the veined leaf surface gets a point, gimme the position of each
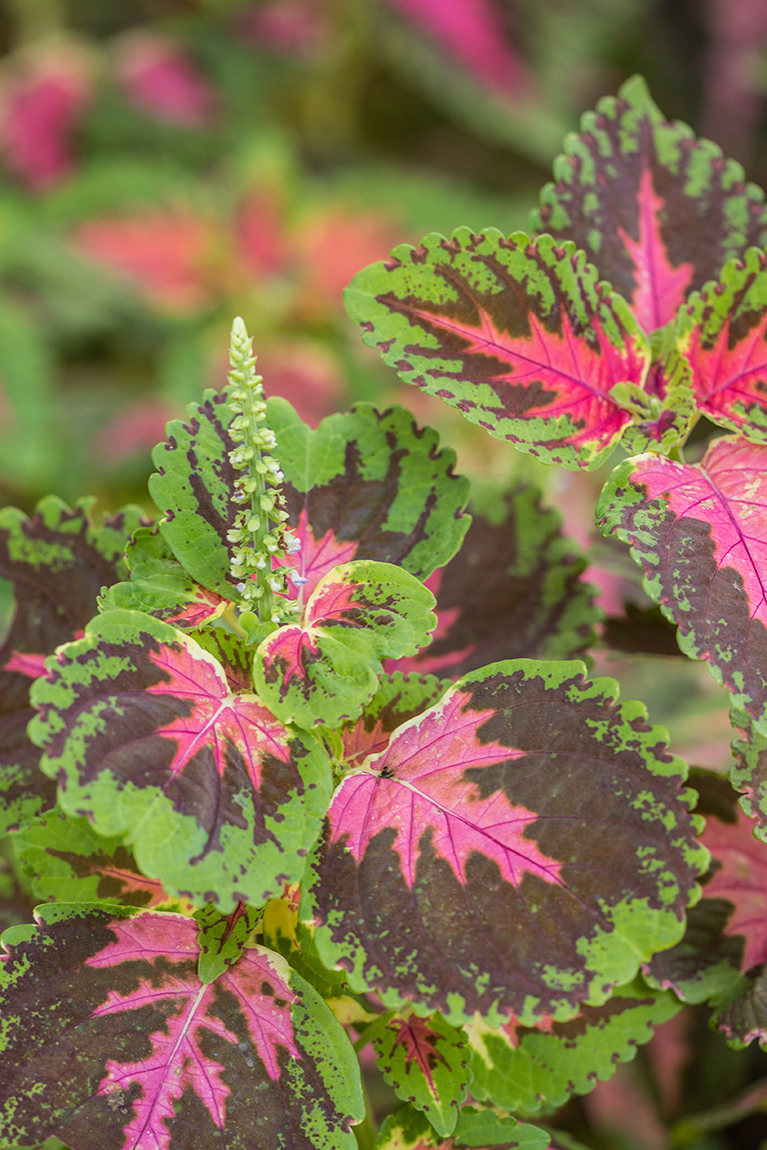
(518, 334)
(58, 560)
(160, 586)
(368, 485)
(67, 861)
(426, 1062)
(112, 1040)
(739, 876)
(526, 809)
(524, 1069)
(408, 1129)
(216, 796)
(324, 669)
(193, 485)
(700, 534)
(514, 590)
(398, 698)
(657, 211)
(722, 330)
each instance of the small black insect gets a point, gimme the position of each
(386, 773)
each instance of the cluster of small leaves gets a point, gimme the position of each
(278, 832)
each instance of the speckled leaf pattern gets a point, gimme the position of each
(159, 586)
(368, 484)
(408, 1129)
(749, 773)
(193, 486)
(514, 590)
(664, 410)
(66, 860)
(223, 938)
(215, 796)
(722, 330)
(657, 211)
(742, 1016)
(518, 334)
(524, 1069)
(58, 560)
(112, 1040)
(426, 1062)
(706, 963)
(700, 535)
(399, 697)
(526, 809)
(325, 668)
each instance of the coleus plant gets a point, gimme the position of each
(310, 768)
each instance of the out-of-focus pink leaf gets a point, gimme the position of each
(159, 78)
(295, 27)
(740, 876)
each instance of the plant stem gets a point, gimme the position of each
(366, 1133)
(689, 1129)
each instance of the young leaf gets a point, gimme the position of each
(408, 1129)
(222, 938)
(426, 1061)
(67, 861)
(57, 560)
(194, 485)
(526, 809)
(284, 932)
(160, 586)
(518, 334)
(398, 698)
(700, 535)
(665, 409)
(368, 485)
(112, 1040)
(326, 668)
(721, 329)
(656, 210)
(524, 1069)
(514, 590)
(216, 797)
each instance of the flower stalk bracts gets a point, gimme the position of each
(259, 533)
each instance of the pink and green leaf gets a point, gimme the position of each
(722, 329)
(700, 535)
(426, 1062)
(525, 1069)
(368, 485)
(326, 668)
(513, 590)
(111, 1039)
(526, 808)
(67, 861)
(518, 334)
(160, 586)
(657, 211)
(193, 486)
(57, 560)
(664, 410)
(408, 1129)
(216, 797)
(398, 698)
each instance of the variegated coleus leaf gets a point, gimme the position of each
(283, 931)
(514, 590)
(664, 409)
(160, 586)
(408, 1129)
(223, 938)
(426, 1061)
(367, 485)
(721, 330)
(399, 697)
(325, 668)
(527, 809)
(193, 486)
(217, 798)
(524, 1069)
(749, 774)
(518, 334)
(657, 211)
(111, 1040)
(700, 535)
(67, 861)
(58, 560)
